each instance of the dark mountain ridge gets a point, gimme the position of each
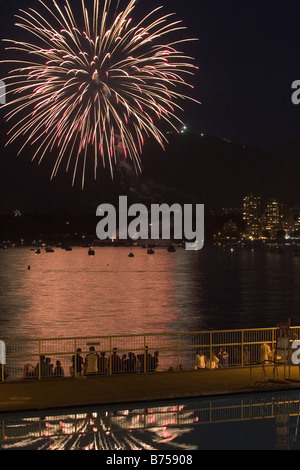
(192, 168)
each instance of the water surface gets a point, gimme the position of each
(264, 421)
(67, 294)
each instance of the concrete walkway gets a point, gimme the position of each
(133, 388)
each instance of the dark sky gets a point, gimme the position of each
(248, 55)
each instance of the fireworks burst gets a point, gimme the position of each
(95, 90)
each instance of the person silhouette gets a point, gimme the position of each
(58, 370)
(77, 364)
(115, 362)
(91, 362)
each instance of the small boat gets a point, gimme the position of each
(171, 249)
(131, 255)
(38, 251)
(68, 248)
(91, 252)
(150, 251)
(48, 249)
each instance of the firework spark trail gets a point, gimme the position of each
(104, 87)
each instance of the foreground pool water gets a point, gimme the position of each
(261, 421)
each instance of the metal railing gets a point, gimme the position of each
(65, 357)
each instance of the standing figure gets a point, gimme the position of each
(77, 364)
(265, 353)
(58, 370)
(224, 357)
(199, 360)
(115, 363)
(91, 362)
(103, 363)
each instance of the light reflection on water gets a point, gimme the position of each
(73, 294)
(265, 421)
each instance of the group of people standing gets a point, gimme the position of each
(98, 363)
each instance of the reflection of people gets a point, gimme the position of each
(265, 353)
(199, 360)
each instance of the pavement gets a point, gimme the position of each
(64, 393)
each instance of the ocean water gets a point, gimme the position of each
(68, 293)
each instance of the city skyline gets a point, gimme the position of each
(269, 217)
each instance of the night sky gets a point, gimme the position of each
(248, 56)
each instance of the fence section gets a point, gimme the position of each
(44, 358)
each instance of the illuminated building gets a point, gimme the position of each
(272, 215)
(252, 211)
(287, 216)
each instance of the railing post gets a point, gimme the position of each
(110, 357)
(40, 364)
(75, 365)
(2, 359)
(210, 346)
(145, 362)
(178, 351)
(242, 351)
